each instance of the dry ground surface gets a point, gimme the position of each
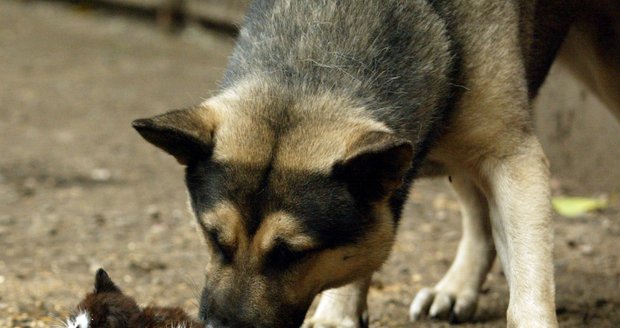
(80, 190)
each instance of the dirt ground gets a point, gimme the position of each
(80, 190)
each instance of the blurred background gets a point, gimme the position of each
(80, 190)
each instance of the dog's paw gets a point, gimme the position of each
(343, 322)
(443, 305)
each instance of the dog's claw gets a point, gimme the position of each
(420, 305)
(443, 306)
(464, 307)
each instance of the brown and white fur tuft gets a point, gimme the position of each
(108, 307)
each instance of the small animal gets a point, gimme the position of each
(108, 307)
(299, 166)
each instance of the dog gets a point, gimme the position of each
(298, 168)
(108, 307)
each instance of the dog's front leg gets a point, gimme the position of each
(343, 307)
(519, 202)
(456, 295)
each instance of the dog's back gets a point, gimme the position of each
(406, 58)
(394, 58)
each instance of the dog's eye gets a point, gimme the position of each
(282, 256)
(226, 253)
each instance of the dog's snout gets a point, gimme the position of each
(218, 316)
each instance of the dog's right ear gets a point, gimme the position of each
(104, 284)
(186, 134)
(375, 165)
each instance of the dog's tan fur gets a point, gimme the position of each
(281, 226)
(227, 220)
(243, 134)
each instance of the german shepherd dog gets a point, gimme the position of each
(299, 167)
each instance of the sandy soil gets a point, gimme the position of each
(80, 190)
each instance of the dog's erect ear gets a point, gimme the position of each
(375, 165)
(104, 284)
(186, 134)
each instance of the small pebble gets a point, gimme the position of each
(586, 249)
(153, 212)
(29, 187)
(100, 174)
(100, 219)
(416, 277)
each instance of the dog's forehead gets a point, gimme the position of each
(246, 201)
(260, 129)
(234, 229)
(276, 226)
(258, 144)
(242, 196)
(244, 140)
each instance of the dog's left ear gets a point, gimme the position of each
(186, 134)
(375, 165)
(104, 284)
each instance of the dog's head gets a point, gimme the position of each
(292, 198)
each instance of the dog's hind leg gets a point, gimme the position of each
(343, 307)
(592, 50)
(456, 295)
